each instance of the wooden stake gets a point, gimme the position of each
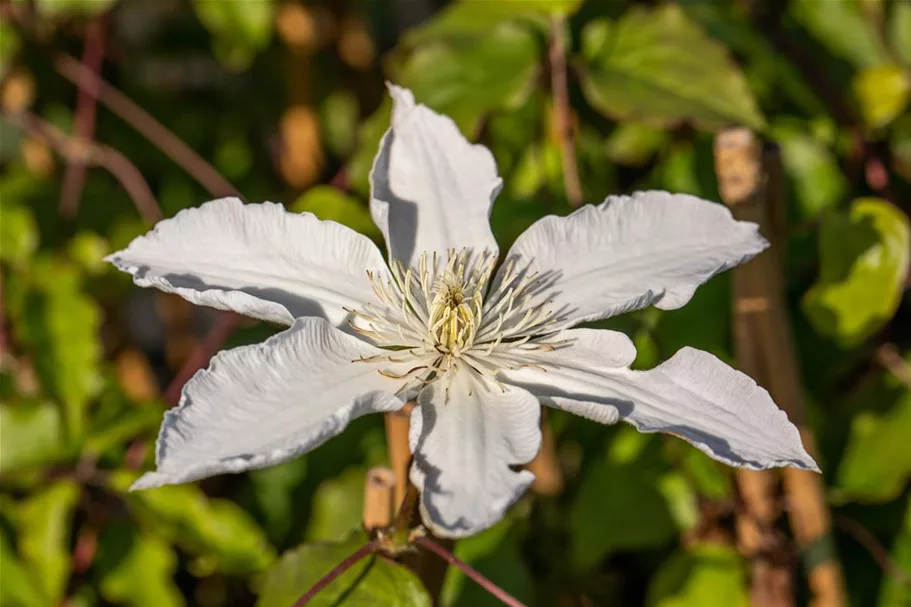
(546, 465)
(749, 183)
(378, 487)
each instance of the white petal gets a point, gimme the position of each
(260, 405)
(463, 450)
(432, 189)
(255, 259)
(693, 395)
(631, 252)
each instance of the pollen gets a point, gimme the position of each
(446, 317)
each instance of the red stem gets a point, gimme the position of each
(202, 353)
(74, 178)
(337, 571)
(471, 572)
(142, 121)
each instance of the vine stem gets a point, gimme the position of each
(336, 571)
(563, 113)
(470, 571)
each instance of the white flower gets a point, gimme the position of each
(478, 346)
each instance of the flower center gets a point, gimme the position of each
(444, 317)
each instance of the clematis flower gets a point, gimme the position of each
(478, 344)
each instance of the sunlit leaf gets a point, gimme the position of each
(327, 202)
(877, 458)
(31, 433)
(60, 324)
(466, 80)
(471, 18)
(619, 505)
(372, 581)
(708, 576)
(842, 27)
(137, 569)
(240, 28)
(18, 232)
(882, 93)
(218, 531)
(19, 588)
(44, 536)
(636, 70)
(864, 260)
(88, 250)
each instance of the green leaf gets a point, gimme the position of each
(864, 261)
(19, 587)
(842, 28)
(32, 434)
(468, 19)
(894, 590)
(126, 425)
(899, 31)
(61, 327)
(496, 554)
(274, 493)
(137, 569)
(373, 581)
(632, 513)
(369, 135)
(656, 66)
(9, 46)
(219, 532)
(811, 168)
(88, 249)
(329, 203)
(240, 28)
(877, 458)
(882, 93)
(466, 80)
(339, 117)
(54, 9)
(634, 144)
(900, 146)
(708, 576)
(337, 507)
(44, 536)
(18, 232)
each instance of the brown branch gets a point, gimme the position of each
(470, 571)
(142, 121)
(93, 154)
(339, 569)
(224, 325)
(74, 177)
(563, 112)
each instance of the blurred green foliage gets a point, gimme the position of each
(287, 102)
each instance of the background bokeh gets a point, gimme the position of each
(286, 101)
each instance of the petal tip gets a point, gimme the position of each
(150, 480)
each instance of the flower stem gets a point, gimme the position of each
(406, 510)
(337, 571)
(471, 572)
